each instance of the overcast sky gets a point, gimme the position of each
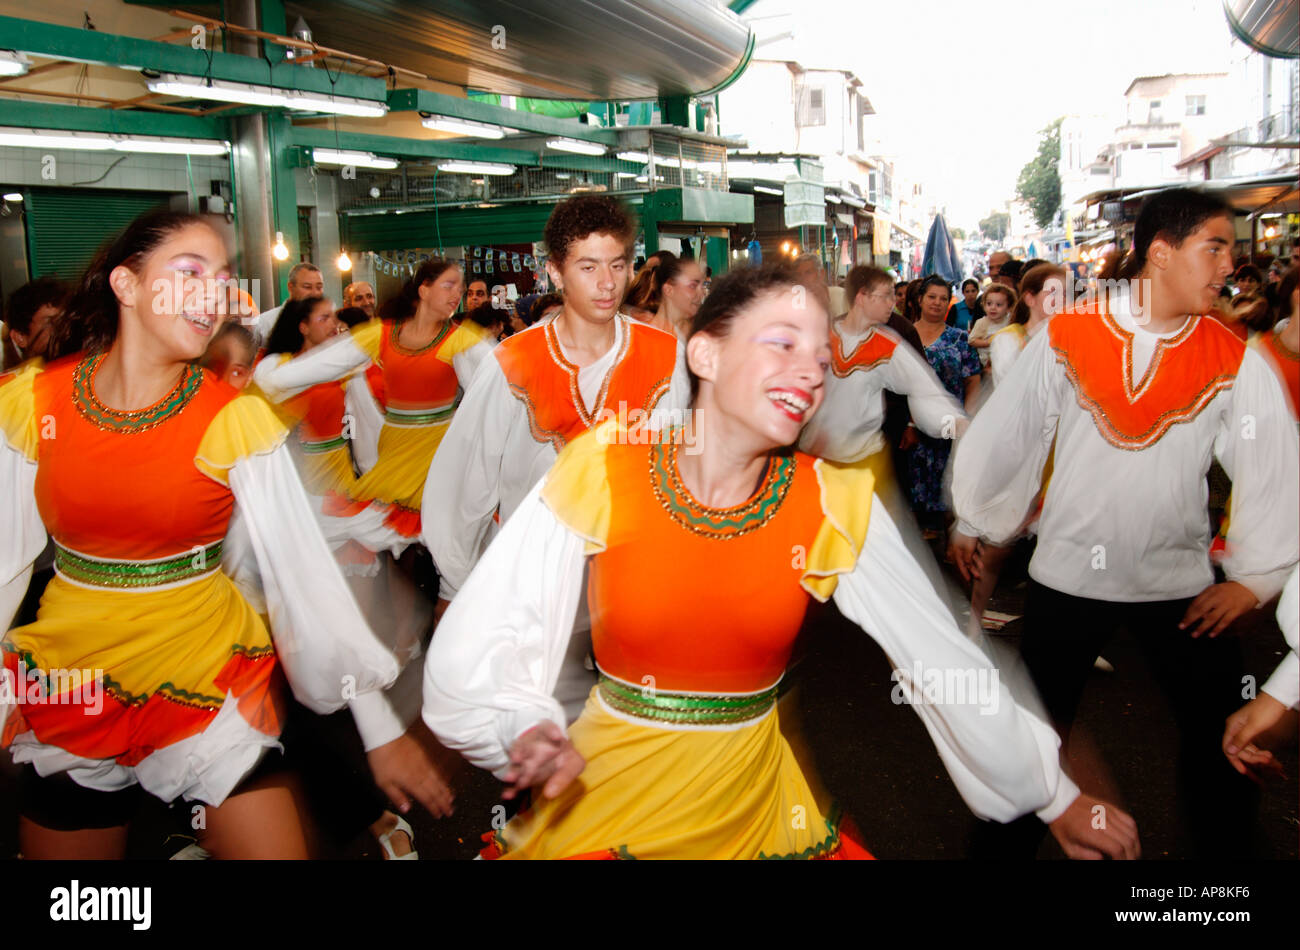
(961, 87)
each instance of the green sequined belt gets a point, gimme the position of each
(323, 446)
(420, 417)
(132, 574)
(685, 709)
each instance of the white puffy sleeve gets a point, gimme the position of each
(1284, 684)
(337, 359)
(997, 467)
(22, 533)
(499, 650)
(367, 421)
(466, 363)
(1002, 758)
(327, 650)
(464, 481)
(933, 409)
(1258, 448)
(1004, 348)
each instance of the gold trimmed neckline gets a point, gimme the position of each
(108, 419)
(396, 331)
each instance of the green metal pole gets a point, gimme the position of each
(284, 196)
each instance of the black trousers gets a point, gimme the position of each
(1201, 679)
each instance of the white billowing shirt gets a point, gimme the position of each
(846, 427)
(1125, 515)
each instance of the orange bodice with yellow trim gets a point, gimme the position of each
(877, 348)
(321, 410)
(1186, 372)
(547, 384)
(127, 490)
(418, 379)
(701, 600)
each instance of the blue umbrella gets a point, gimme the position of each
(940, 253)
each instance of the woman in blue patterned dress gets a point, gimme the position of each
(958, 367)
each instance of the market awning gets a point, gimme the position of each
(1270, 26)
(552, 49)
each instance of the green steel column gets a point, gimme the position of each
(284, 196)
(676, 110)
(650, 226)
(272, 18)
(718, 255)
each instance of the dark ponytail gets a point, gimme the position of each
(403, 305)
(89, 322)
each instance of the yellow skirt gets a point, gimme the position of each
(405, 453)
(138, 670)
(648, 792)
(326, 472)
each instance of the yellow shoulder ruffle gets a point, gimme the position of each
(18, 420)
(465, 335)
(367, 337)
(846, 507)
(247, 425)
(1018, 329)
(577, 486)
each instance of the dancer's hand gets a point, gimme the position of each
(1257, 716)
(964, 551)
(406, 768)
(1216, 607)
(542, 754)
(1082, 840)
(909, 439)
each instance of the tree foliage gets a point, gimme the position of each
(1039, 185)
(996, 225)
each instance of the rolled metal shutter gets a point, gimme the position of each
(66, 227)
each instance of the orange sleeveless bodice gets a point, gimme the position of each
(1186, 371)
(547, 384)
(417, 379)
(124, 485)
(701, 600)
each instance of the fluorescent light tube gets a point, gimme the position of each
(576, 146)
(476, 168)
(481, 130)
(333, 156)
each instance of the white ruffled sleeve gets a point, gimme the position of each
(1284, 684)
(328, 652)
(1004, 349)
(464, 481)
(24, 532)
(337, 359)
(1002, 758)
(997, 467)
(367, 421)
(500, 649)
(933, 409)
(1257, 447)
(466, 363)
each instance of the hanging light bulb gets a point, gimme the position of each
(279, 250)
(344, 262)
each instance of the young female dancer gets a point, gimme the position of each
(702, 564)
(146, 668)
(427, 359)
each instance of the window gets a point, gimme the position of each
(1155, 112)
(1196, 105)
(812, 106)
